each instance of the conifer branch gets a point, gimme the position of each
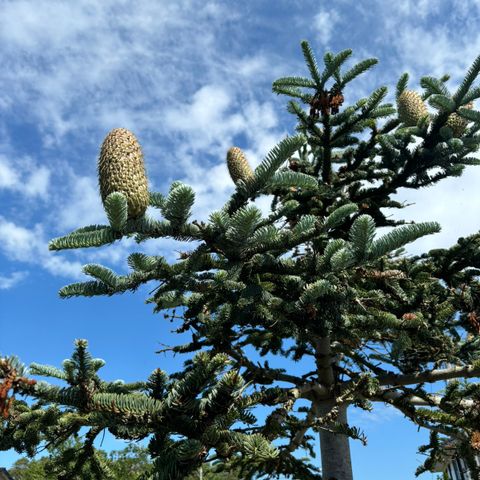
(85, 239)
(311, 64)
(357, 70)
(294, 82)
(434, 86)
(116, 208)
(401, 85)
(467, 82)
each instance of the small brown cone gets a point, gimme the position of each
(457, 123)
(411, 108)
(475, 440)
(474, 321)
(238, 166)
(121, 169)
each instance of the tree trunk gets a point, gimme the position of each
(335, 449)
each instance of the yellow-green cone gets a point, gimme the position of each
(411, 108)
(121, 169)
(457, 123)
(238, 165)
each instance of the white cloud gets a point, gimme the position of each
(206, 120)
(109, 61)
(207, 126)
(454, 203)
(439, 53)
(261, 127)
(53, 20)
(381, 414)
(252, 66)
(413, 36)
(324, 23)
(37, 183)
(25, 177)
(8, 177)
(20, 244)
(80, 204)
(418, 9)
(8, 281)
(213, 118)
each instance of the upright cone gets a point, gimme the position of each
(238, 165)
(457, 123)
(411, 108)
(121, 169)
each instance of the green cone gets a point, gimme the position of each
(457, 123)
(411, 108)
(238, 165)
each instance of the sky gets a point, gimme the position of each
(190, 78)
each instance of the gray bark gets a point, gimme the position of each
(335, 449)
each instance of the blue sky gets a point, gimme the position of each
(190, 79)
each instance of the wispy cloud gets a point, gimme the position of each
(453, 203)
(324, 24)
(418, 39)
(415, 9)
(29, 246)
(8, 281)
(80, 204)
(69, 64)
(204, 120)
(24, 176)
(381, 414)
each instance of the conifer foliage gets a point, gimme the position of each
(377, 326)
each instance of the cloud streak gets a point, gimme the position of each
(24, 177)
(9, 281)
(26, 246)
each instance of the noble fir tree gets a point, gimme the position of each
(310, 280)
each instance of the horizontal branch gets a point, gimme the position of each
(307, 390)
(430, 376)
(264, 373)
(434, 400)
(443, 429)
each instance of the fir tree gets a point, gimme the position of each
(378, 326)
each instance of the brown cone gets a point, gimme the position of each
(121, 169)
(475, 440)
